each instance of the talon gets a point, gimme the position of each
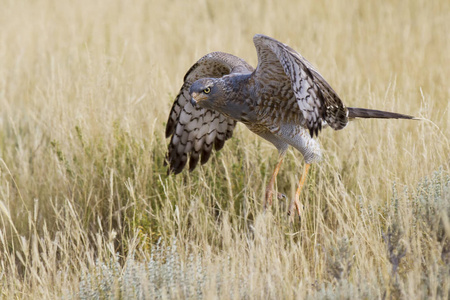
(289, 213)
(281, 196)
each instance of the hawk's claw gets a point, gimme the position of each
(281, 196)
(299, 216)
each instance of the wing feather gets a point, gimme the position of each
(194, 130)
(315, 97)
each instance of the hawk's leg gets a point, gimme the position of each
(270, 186)
(296, 201)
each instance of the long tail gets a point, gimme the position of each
(354, 112)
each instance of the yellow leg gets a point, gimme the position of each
(296, 201)
(270, 186)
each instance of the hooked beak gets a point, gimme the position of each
(193, 102)
(195, 98)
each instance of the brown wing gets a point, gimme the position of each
(315, 97)
(195, 130)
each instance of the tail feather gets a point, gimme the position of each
(354, 112)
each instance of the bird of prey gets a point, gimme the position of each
(285, 100)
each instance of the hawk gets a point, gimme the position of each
(285, 100)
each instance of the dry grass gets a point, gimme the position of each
(85, 90)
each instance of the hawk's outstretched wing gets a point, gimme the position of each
(278, 62)
(194, 130)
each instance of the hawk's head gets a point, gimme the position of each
(205, 92)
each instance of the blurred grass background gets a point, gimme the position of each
(86, 208)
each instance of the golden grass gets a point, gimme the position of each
(85, 90)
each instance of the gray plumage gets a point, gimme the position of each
(284, 100)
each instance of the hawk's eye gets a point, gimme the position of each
(207, 90)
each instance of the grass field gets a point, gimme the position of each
(87, 210)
